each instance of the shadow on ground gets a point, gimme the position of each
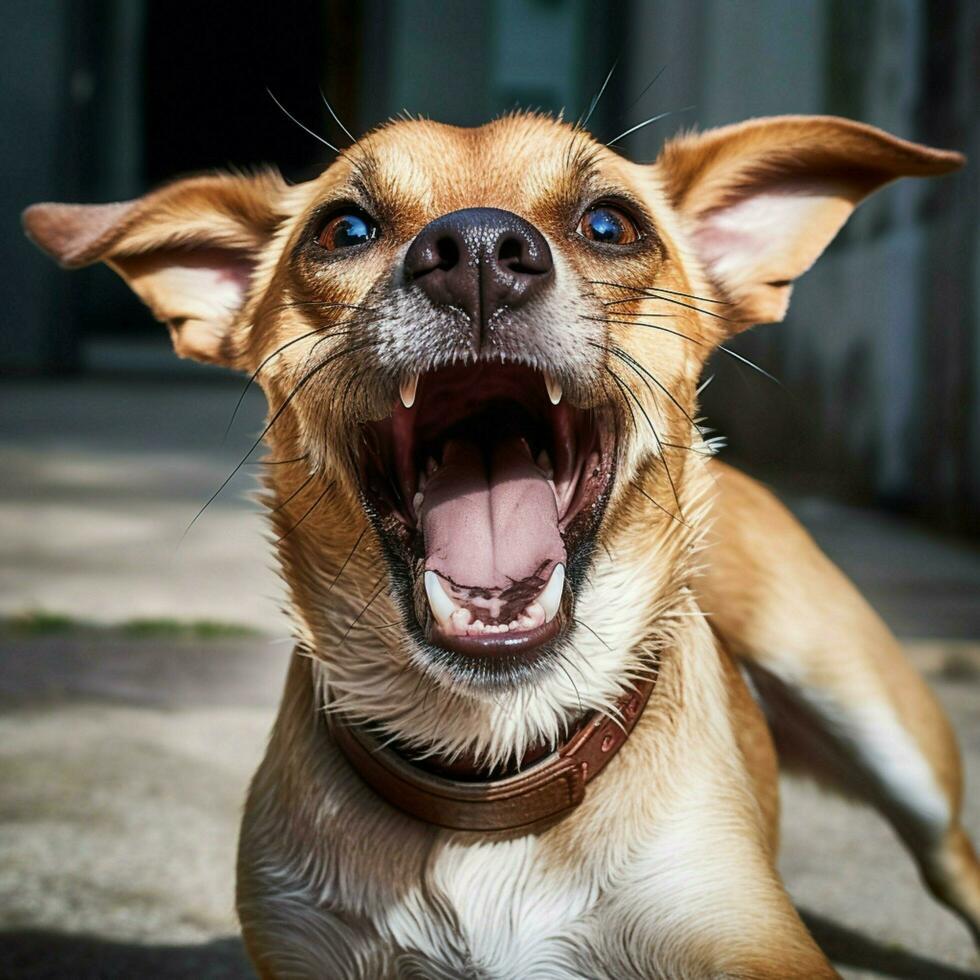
(848, 948)
(43, 955)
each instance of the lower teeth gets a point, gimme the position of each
(458, 620)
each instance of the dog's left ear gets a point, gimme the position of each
(764, 198)
(188, 250)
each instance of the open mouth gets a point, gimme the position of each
(489, 485)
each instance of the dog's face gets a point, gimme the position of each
(480, 390)
(484, 345)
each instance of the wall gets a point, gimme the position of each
(879, 354)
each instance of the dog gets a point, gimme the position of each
(547, 645)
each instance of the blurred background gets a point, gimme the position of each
(138, 673)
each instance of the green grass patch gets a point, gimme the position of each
(40, 622)
(195, 629)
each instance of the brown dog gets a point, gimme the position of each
(500, 527)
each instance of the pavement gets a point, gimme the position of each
(140, 667)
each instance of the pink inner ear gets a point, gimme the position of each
(206, 284)
(769, 236)
(229, 267)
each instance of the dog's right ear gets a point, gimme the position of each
(188, 250)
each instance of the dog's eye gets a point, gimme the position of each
(608, 225)
(346, 231)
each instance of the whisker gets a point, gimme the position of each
(623, 355)
(323, 303)
(275, 418)
(382, 626)
(297, 491)
(691, 306)
(258, 370)
(649, 326)
(582, 123)
(306, 129)
(636, 367)
(326, 102)
(659, 289)
(561, 666)
(658, 505)
(748, 363)
(346, 561)
(381, 585)
(689, 449)
(640, 299)
(579, 622)
(721, 347)
(622, 390)
(309, 511)
(354, 323)
(649, 86)
(648, 122)
(656, 436)
(277, 462)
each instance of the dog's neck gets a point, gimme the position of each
(470, 799)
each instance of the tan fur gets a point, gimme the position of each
(667, 868)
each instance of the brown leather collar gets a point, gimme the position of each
(525, 801)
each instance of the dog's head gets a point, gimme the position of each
(481, 350)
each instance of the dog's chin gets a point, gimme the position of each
(487, 489)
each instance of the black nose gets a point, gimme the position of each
(481, 260)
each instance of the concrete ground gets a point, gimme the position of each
(125, 748)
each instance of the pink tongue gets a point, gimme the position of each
(488, 530)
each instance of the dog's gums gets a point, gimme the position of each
(483, 479)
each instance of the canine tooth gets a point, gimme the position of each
(441, 605)
(407, 389)
(417, 502)
(554, 387)
(550, 599)
(544, 464)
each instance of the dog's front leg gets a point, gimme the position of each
(843, 701)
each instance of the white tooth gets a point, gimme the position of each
(407, 389)
(554, 387)
(461, 619)
(417, 502)
(441, 605)
(534, 615)
(431, 466)
(544, 464)
(550, 599)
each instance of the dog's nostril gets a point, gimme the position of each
(448, 252)
(511, 253)
(510, 249)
